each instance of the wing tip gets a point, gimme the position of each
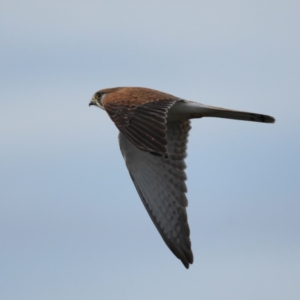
(183, 254)
(187, 259)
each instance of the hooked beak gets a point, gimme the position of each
(93, 101)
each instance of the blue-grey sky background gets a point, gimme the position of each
(71, 223)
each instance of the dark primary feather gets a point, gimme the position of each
(160, 183)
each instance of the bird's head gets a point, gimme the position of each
(98, 97)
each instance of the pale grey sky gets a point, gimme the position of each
(71, 223)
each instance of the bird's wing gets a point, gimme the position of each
(143, 125)
(160, 183)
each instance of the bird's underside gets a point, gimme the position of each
(154, 128)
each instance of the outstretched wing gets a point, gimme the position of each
(143, 125)
(160, 183)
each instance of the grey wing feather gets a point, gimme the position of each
(160, 183)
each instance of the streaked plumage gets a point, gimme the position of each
(154, 128)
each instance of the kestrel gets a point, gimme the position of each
(154, 128)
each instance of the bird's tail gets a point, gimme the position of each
(217, 112)
(192, 110)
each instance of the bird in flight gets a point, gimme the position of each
(154, 128)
